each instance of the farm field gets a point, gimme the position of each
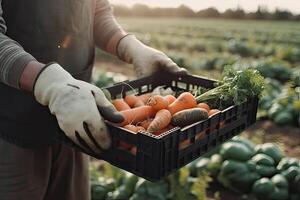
(211, 44)
(205, 47)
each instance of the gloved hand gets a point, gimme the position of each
(145, 60)
(74, 103)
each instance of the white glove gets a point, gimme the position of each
(146, 60)
(74, 103)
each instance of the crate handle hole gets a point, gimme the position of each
(200, 135)
(184, 144)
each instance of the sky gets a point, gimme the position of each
(249, 5)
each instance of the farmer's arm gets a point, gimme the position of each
(107, 31)
(13, 58)
(111, 37)
(54, 87)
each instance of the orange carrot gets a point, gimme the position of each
(185, 101)
(213, 111)
(133, 150)
(134, 130)
(133, 101)
(170, 98)
(140, 128)
(125, 145)
(162, 120)
(204, 106)
(145, 124)
(163, 130)
(131, 128)
(130, 100)
(222, 124)
(200, 135)
(138, 114)
(184, 144)
(158, 102)
(120, 104)
(145, 97)
(138, 103)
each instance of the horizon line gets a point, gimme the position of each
(197, 10)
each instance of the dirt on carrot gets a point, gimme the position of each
(189, 116)
(158, 102)
(162, 120)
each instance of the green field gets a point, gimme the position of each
(205, 47)
(210, 44)
(213, 43)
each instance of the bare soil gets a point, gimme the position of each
(287, 137)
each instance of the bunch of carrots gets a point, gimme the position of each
(157, 114)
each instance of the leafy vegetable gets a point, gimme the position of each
(296, 77)
(271, 150)
(150, 191)
(236, 151)
(265, 165)
(290, 169)
(103, 80)
(278, 71)
(235, 87)
(275, 188)
(287, 162)
(238, 176)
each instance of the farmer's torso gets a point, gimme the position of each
(50, 30)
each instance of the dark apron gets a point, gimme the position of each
(50, 30)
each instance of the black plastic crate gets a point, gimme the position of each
(158, 156)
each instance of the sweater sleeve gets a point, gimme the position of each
(13, 58)
(107, 31)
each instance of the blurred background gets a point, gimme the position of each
(204, 36)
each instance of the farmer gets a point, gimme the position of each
(47, 51)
